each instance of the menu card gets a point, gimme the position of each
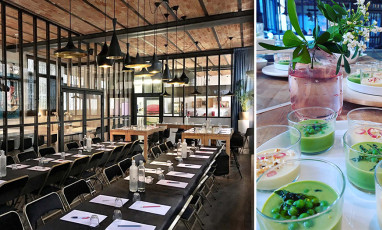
(39, 168)
(79, 155)
(150, 207)
(208, 148)
(81, 217)
(199, 156)
(108, 200)
(125, 224)
(18, 166)
(61, 161)
(192, 166)
(172, 183)
(159, 163)
(46, 160)
(180, 174)
(59, 154)
(204, 152)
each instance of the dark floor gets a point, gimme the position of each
(233, 207)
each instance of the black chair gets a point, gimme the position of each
(249, 133)
(10, 160)
(40, 140)
(46, 151)
(90, 170)
(76, 169)
(37, 209)
(161, 137)
(53, 138)
(155, 151)
(54, 179)
(112, 173)
(11, 221)
(153, 139)
(28, 143)
(122, 154)
(166, 134)
(96, 140)
(74, 190)
(163, 148)
(111, 157)
(72, 145)
(98, 131)
(10, 191)
(139, 157)
(125, 165)
(170, 145)
(237, 142)
(26, 156)
(11, 145)
(126, 150)
(178, 135)
(118, 137)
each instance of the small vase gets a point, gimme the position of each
(244, 116)
(317, 86)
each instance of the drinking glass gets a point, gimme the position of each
(80, 152)
(365, 117)
(321, 184)
(118, 202)
(170, 168)
(41, 162)
(94, 221)
(160, 176)
(62, 155)
(378, 191)
(117, 215)
(136, 197)
(317, 126)
(367, 70)
(14, 166)
(362, 154)
(149, 180)
(158, 170)
(168, 163)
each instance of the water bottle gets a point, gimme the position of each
(89, 144)
(3, 164)
(84, 143)
(141, 177)
(184, 149)
(133, 177)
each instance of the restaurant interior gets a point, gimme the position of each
(126, 114)
(318, 114)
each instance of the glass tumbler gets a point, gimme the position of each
(378, 191)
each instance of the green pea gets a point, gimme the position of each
(293, 211)
(375, 151)
(315, 201)
(308, 224)
(293, 226)
(308, 204)
(324, 203)
(318, 209)
(299, 204)
(275, 211)
(311, 212)
(276, 216)
(311, 131)
(284, 212)
(322, 132)
(303, 215)
(289, 202)
(317, 129)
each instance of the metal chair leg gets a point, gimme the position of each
(237, 165)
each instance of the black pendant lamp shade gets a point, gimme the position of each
(183, 78)
(196, 92)
(166, 74)
(102, 61)
(127, 70)
(156, 65)
(138, 63)
(229, 94)
(114, 48)
(127, 61)
(165, 94)
(143, 73)
(175, 80)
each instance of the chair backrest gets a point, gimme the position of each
(156, 150)
(40, 140)
(94, 160)
(163, 148)
(125, 165)
(170, 145)
(26, 155)
(54, 138)
(112, 173)
(10, 160)
(56, 175)
(200, 185)
(47, 151)
(175, 221)
(139, 157)
(98, 131)
(250, 132)
(114, 154)
(96, 140)
(121, 153)
(11, 145)
(237, 140)
(12, 189)
(74, 190)
(72, 145)
(42, 206)
(11, 221)
(166, 133)
(128, 150)
(78, 166)
(28, 143)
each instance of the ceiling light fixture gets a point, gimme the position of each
(70, 50)
(101, 59)
(156, 65)
(176, 80)
(196, 92)
(114, 51)
(184, 77)
(166, 73)
(230, 93)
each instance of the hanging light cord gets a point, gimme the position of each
(114, 8)
(144, 31)
(176, 36)
(70, 16)
(138, 27)
(127, 25)
(105, 21)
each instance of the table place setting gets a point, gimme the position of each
(112, 146)
(208, 148)
(205, 152)
(122, 143)
(172, 154)
(85, 218)
(172, 183)
(180, 174)
(104, 149)
(125, 224)
(155, 171)
(17, 166)
(61, 161)
(2, 182)
(199, 156)
(39, 168)
(159, 163)
(150, 207)
(148, 179)
(79, 155)
(192, 166)
(108, 200)
(106, 142)
(60, 154)
(46, 160)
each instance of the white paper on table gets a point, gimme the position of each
(46, 160)
(172, 154)
(159, 163)
(2, 181)
(180, 174)
(192, 166)
(144, 207)
(119, 224)
(61, 161)
(172, 183)
(59, 154)
(123, 143)
(112, 146)
(152, 171)
(80, 148)
(79, 155)
(198, 156)
(207, 148)
(204, 152)
(39, 168)
(106, 142)
(146, 180)
(18, 166)
(105, 149)
(80, 215)
(108, 200)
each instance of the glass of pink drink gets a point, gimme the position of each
(320, 86)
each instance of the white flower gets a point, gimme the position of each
(354, 22)
(374, 22)
(360, 2)
(379, 29)
(374, 30)
(363, 47)
(348, 22)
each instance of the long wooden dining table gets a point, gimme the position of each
(158, 194)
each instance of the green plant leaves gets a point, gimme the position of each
(291, 40)
(339, 9)
(330, 12)
(272, 47)
(324, 48)
(346, 65)
(339, 64)
(303, 56)
(294, 19)
(323, 38)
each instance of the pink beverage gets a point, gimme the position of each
(320, 86)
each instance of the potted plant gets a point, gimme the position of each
(245, 99)
(314, 72)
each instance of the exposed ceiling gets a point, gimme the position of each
(88, 18)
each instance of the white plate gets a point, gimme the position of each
(366, 89)
(272, 71)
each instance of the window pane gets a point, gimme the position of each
(225, 85)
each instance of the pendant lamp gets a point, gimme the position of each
(102, 61)
(114, 51)
(166, 73)
(176, 80)
(156, 65)
(165, 94)
(70, 50)
(196, 92)
(143, 73)
(127, 56)
(183, 77)
(230, 93)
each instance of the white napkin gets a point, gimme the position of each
(204, 152)
(172, 154)
(39, 168)
(46, 160)
(180, 174)
(198, 156)
(59, 154)
(82, 217)
(125, 224)
(79, 155)
(105, 149)
(208, 148)
(192, 166)
(159, 163)
(172, 183)
(108, 200)
(18, 166)
(149, 207)
(61, 161)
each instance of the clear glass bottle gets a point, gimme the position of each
(141, 177)
(3, 164)
(133, 173)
